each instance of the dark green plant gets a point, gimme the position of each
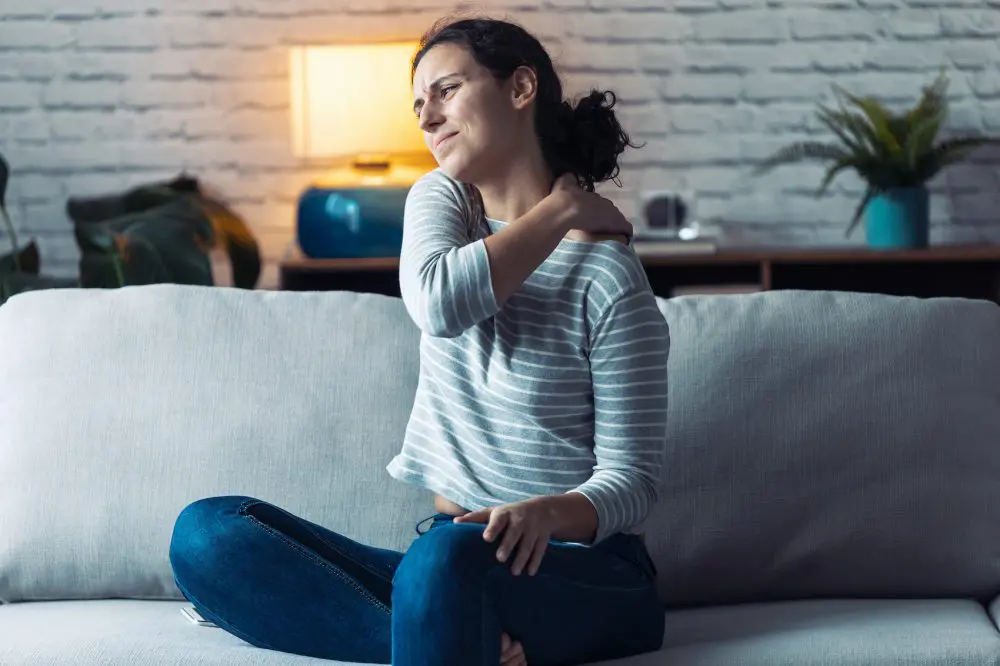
(19, 268)
(887, 150)
(15, 260)
(153, 233)
(160, 232)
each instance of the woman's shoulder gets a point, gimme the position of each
(612, 272)
(436, 197)
(608, 259)
(439, 186)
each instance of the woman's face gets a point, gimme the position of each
(470, 120)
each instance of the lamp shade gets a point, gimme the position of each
(353, 99)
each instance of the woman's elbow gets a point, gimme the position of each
(438, 329)
(646, 489)
(431, 316)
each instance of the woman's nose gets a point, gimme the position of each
(430, 118)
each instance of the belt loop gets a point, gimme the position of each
(417, 526)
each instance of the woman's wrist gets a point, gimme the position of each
(573, 516)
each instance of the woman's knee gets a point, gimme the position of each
(449, 552)
(201, 529)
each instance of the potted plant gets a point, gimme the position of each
(20, 267)
(160, 232)
(895, 154)
(152, 233)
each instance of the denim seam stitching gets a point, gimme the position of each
(341, 552)
(318, 560)
(347, 556)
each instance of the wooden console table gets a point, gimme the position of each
(970, 271)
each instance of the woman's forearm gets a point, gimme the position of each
(523, 245)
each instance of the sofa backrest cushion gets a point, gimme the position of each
(821, 444)
(120, 407)
(831, 445)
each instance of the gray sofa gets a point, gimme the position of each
(831, 493)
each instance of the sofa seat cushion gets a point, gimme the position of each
(120, 632)
(845, 632)
(117, 632)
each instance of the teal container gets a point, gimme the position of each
(899, 218)
(351, 223)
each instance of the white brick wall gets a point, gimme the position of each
(99, 96)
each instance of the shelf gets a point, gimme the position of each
(971, 271)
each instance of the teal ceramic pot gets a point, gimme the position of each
(899, 218)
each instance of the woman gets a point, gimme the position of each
(539, 418)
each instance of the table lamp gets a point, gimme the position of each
(351, 110)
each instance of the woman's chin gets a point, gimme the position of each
(456, 169)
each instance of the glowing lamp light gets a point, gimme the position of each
(351, 110)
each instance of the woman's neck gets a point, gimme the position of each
(516, 188)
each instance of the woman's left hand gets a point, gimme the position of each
(525, 526)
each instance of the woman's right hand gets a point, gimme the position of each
(589, 211)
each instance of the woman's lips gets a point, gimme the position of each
(444, 138)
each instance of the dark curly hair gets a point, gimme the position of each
(584, 139)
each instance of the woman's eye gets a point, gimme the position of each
(446, 90)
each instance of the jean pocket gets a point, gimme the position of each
(646, 561)
(632, 547)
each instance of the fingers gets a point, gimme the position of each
(619, 224)
(526, 553)
(521, 534)
(565, 182)
(498, 521)
(530, 552)
(480, 516)
(537, 553)
(512, 653)
(531, 549)
(511, 537)
(516, 658)
(616, 219)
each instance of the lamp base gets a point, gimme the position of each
(355, 213)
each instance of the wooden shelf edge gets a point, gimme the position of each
(730, 255)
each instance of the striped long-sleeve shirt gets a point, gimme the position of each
(562, 389)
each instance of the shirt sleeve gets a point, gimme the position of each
(629, 347)
(444, 273)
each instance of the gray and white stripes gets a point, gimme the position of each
(563, 389)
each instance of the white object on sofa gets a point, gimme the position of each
(119, 407)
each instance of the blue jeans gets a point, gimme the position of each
(280, 582)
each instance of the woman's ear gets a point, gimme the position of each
(524, 86)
